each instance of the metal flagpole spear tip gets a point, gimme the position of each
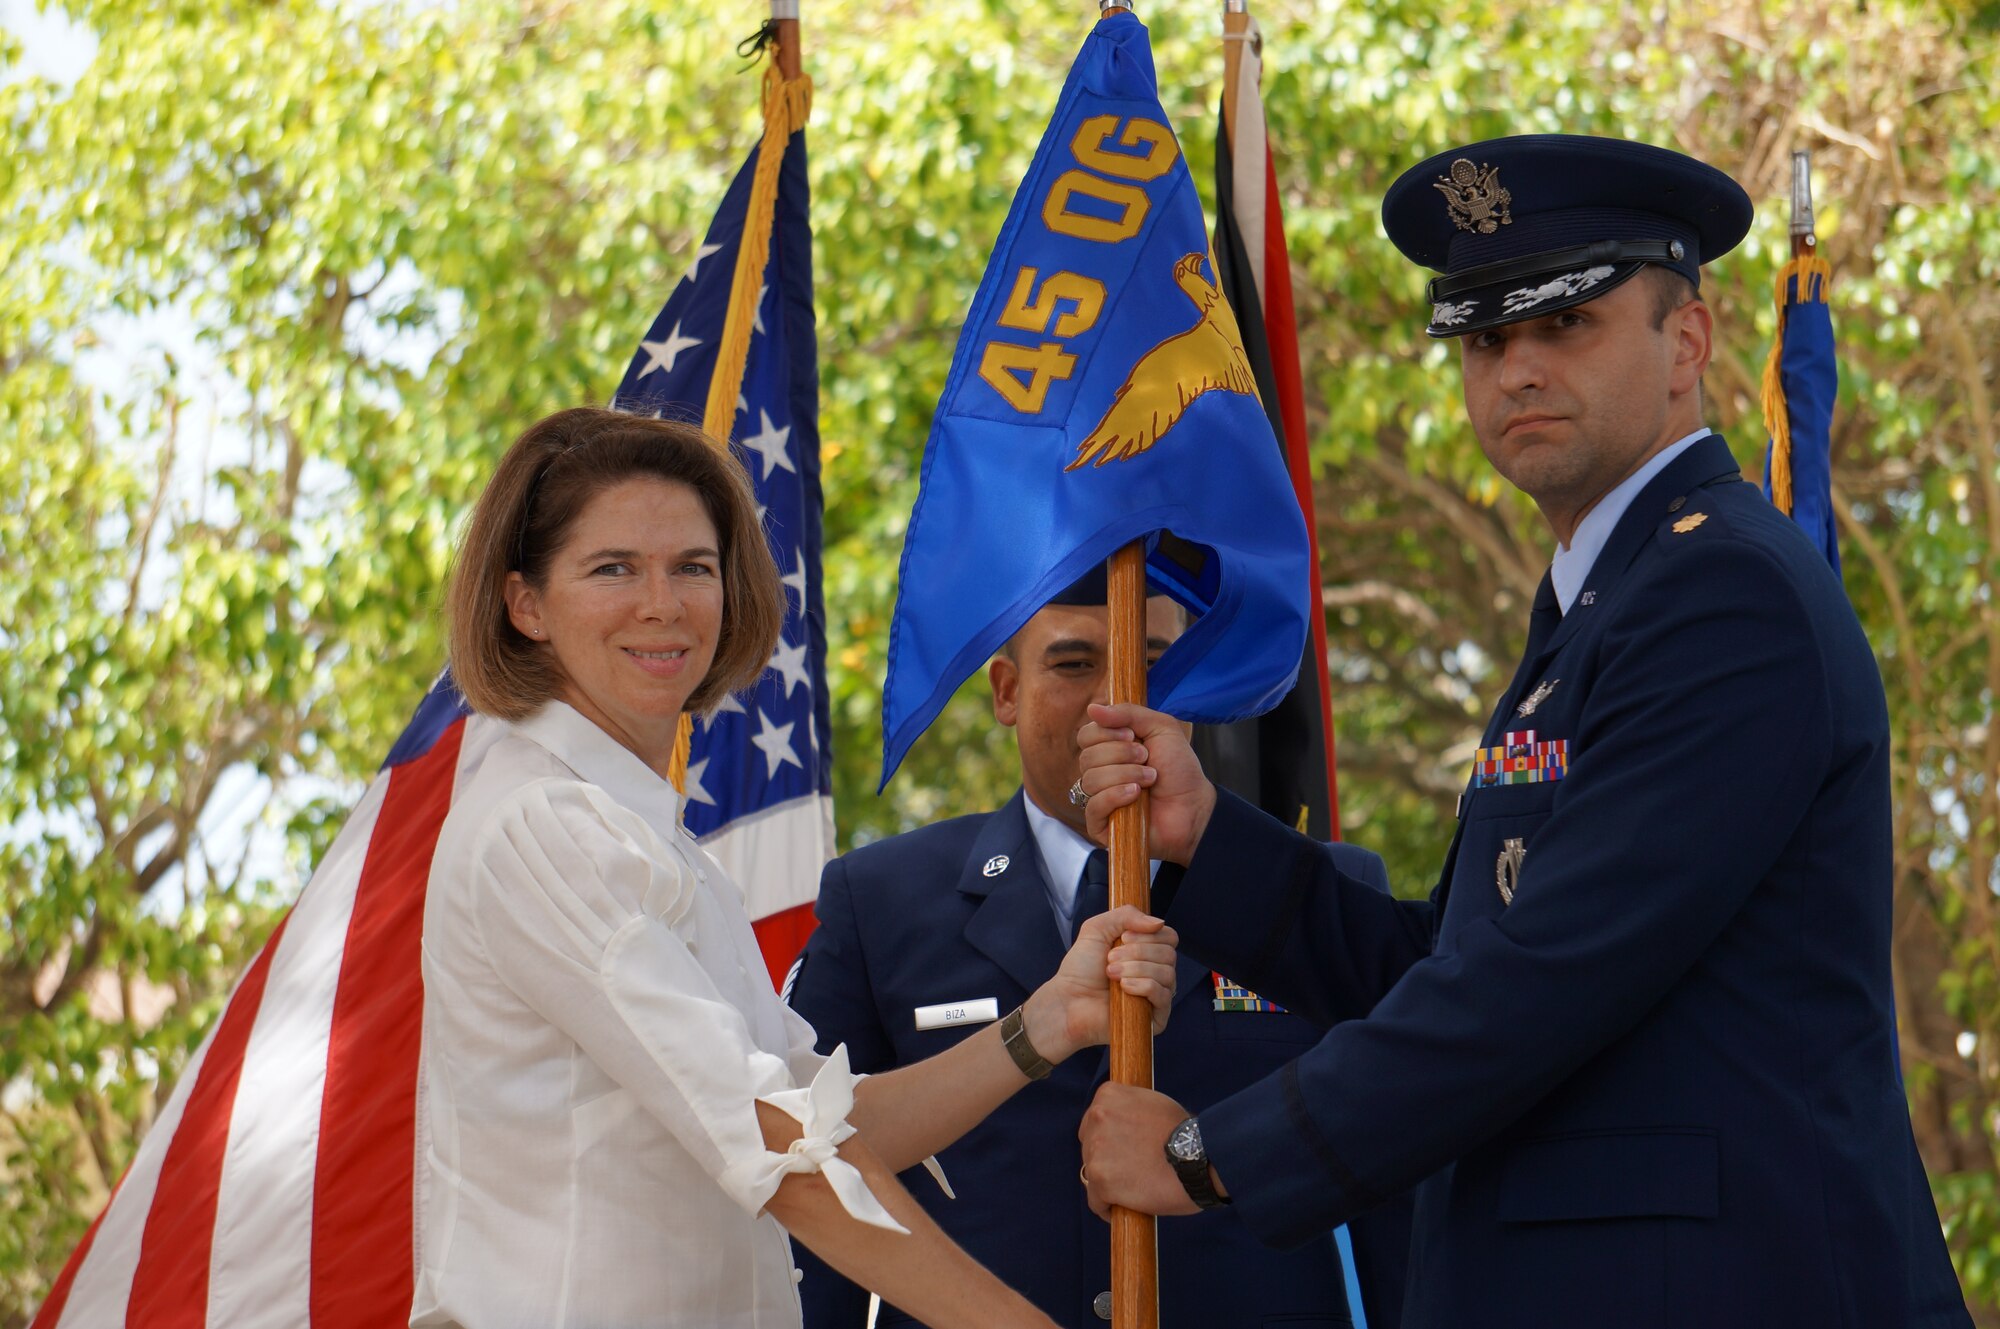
(1803, 224)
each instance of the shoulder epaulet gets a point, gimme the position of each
(1690, 519)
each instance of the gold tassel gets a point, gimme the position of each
(1812, 273)
(677, 765)
(787, 107)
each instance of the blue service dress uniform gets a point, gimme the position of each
(1638, 1046)
(959, 911)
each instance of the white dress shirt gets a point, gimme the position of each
(1574, 560)
(597, 1025)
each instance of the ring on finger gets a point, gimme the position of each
(1077, 798)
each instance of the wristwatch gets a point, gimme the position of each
(1014, 1037)
(1190, 1163)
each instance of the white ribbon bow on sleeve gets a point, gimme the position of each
(821, 1110)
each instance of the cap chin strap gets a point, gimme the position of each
(1557, 260)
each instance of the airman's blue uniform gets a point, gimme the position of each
(1639, 1045)
(958, 913)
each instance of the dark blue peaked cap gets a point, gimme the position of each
(1524, 226)
(1094, 586)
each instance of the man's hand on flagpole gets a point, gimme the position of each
(1128, 748)
(1124, 1138)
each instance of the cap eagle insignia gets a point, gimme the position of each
(1208, 357)
(1475, 197)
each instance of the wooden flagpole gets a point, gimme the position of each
(785, 13)
(1135, 1272)
(1135, 1252)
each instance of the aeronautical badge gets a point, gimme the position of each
(1235, 997)
(1537, 697)
(1689, 522)
(1474, 195)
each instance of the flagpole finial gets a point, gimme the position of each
(1803, 222)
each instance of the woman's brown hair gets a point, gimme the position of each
(547, 477)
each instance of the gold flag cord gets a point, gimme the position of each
(1812, 274)
(787, 107)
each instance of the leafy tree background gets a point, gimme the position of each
(279, 281)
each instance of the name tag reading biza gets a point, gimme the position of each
(946, 1014)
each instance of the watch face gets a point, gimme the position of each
(1185, 1142)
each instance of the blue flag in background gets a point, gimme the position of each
(1100, 394)
(1800, 383)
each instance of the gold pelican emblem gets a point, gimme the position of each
(1208, 357)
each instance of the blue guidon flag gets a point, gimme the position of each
(1801, 381)
(1100, 394)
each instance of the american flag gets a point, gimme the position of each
(275, 1187)
(760, 770)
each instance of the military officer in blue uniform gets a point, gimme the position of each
(1638, 1047)
(924, 936)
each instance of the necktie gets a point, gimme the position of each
(1542, 624)
(1093, 893)
(1545, 618)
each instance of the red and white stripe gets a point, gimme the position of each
(275, 1188)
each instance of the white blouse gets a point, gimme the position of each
(597, 1024)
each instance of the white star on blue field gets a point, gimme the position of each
(765, 746)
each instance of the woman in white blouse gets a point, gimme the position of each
(619, 1120)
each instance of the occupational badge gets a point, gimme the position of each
(1507, 867)
(1689, 522)
(1474, 195)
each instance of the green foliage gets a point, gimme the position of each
(400, 233)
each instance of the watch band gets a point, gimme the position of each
(1014, 1037)
(1190, 1164)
